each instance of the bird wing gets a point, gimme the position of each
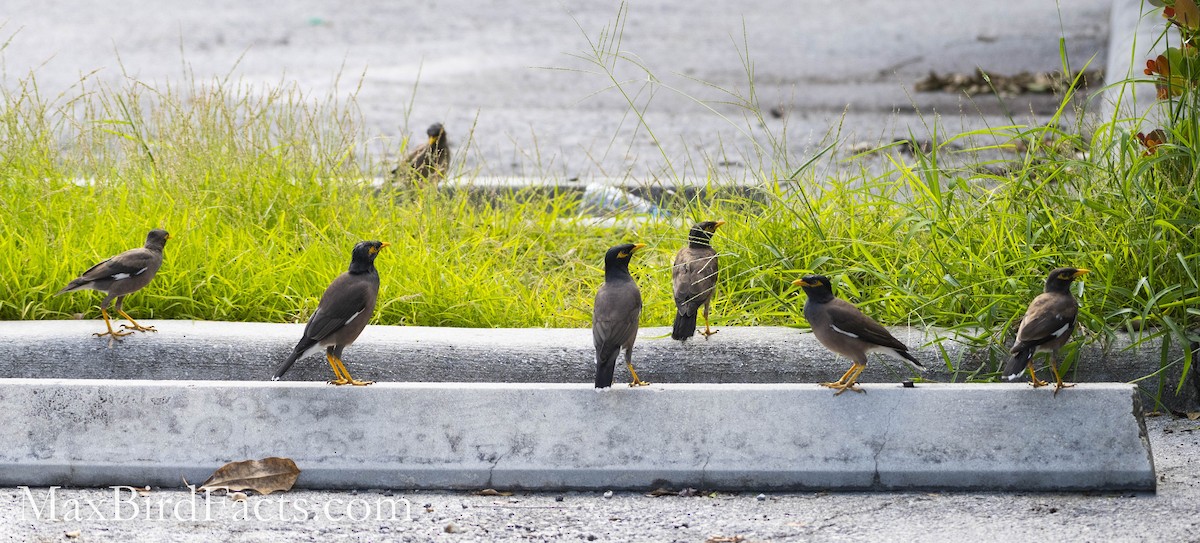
(615, 316)
(1050, 315)
(345, 298)
(127, 264)
(848, 320)
(693, 276)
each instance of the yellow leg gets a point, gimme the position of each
(707, 330)
(135, 326)
(1058, 382)
(848, 380)
(1033, 376)
(108, 324)
(636, 381)
(343, 374)
(337, 371)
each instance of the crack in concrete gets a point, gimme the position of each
(492, 470)
(704, 471)
(876, 480)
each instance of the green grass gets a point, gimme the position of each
(255, 186)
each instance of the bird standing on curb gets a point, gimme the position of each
(121, 276)
(694, 278)
(429, 162)
(1046, 327)
(344, 310)
(845, 330)
(615, 315)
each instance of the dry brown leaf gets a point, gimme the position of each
(1193, 415)
(725, 539)
(262, 476)
(492, 492)
(73, 535)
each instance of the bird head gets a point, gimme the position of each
(1060, 279)
(435, 132)
(618, 257)
(157, 239)
(702, 232)
(816, 287)
(363, 256)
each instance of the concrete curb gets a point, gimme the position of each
(205, 350)
(569, 436)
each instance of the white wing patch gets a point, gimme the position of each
(1062, 330)
(141, 271)
(352, 317)
(843, 332)
(119, 276)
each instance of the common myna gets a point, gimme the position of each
(615, 315)
(430, 161)
(694, 277)
(121, 276)
(1047, 325)
(342, 314)
(845, 330)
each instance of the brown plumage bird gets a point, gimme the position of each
(845, 330)
(1046, 327)
(342, 314)
(121, 276)
(429, 162)
(615, 315)
(694, 278)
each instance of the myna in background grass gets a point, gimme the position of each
(1047, 325)
(429, 162)
(845, 330)
(121, 276)
(343, 312)
(615, 315)
(693, 278)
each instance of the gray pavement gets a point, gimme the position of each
(511, 72)
(1168, 515)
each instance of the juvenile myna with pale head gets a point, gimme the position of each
(1047, 325)
(694, 277)
(121, 276)
(845, 330)
(343, 312)
(430, 161)
(615, 315)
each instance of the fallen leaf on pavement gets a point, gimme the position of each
(492, 492)
(262, 476)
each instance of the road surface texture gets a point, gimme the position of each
(519, 74)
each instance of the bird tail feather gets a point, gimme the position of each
(1015, 367)
(301, 349)
(73, 286)
(912, 361)
(685, 326)
(606, 364)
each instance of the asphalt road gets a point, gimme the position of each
(524, 77)
(373, 515)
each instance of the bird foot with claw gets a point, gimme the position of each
(138, 328)
(1060, 386)
(116, 334)
(842, 387)
(1038, 384)
(639, 383)
(708, 333)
